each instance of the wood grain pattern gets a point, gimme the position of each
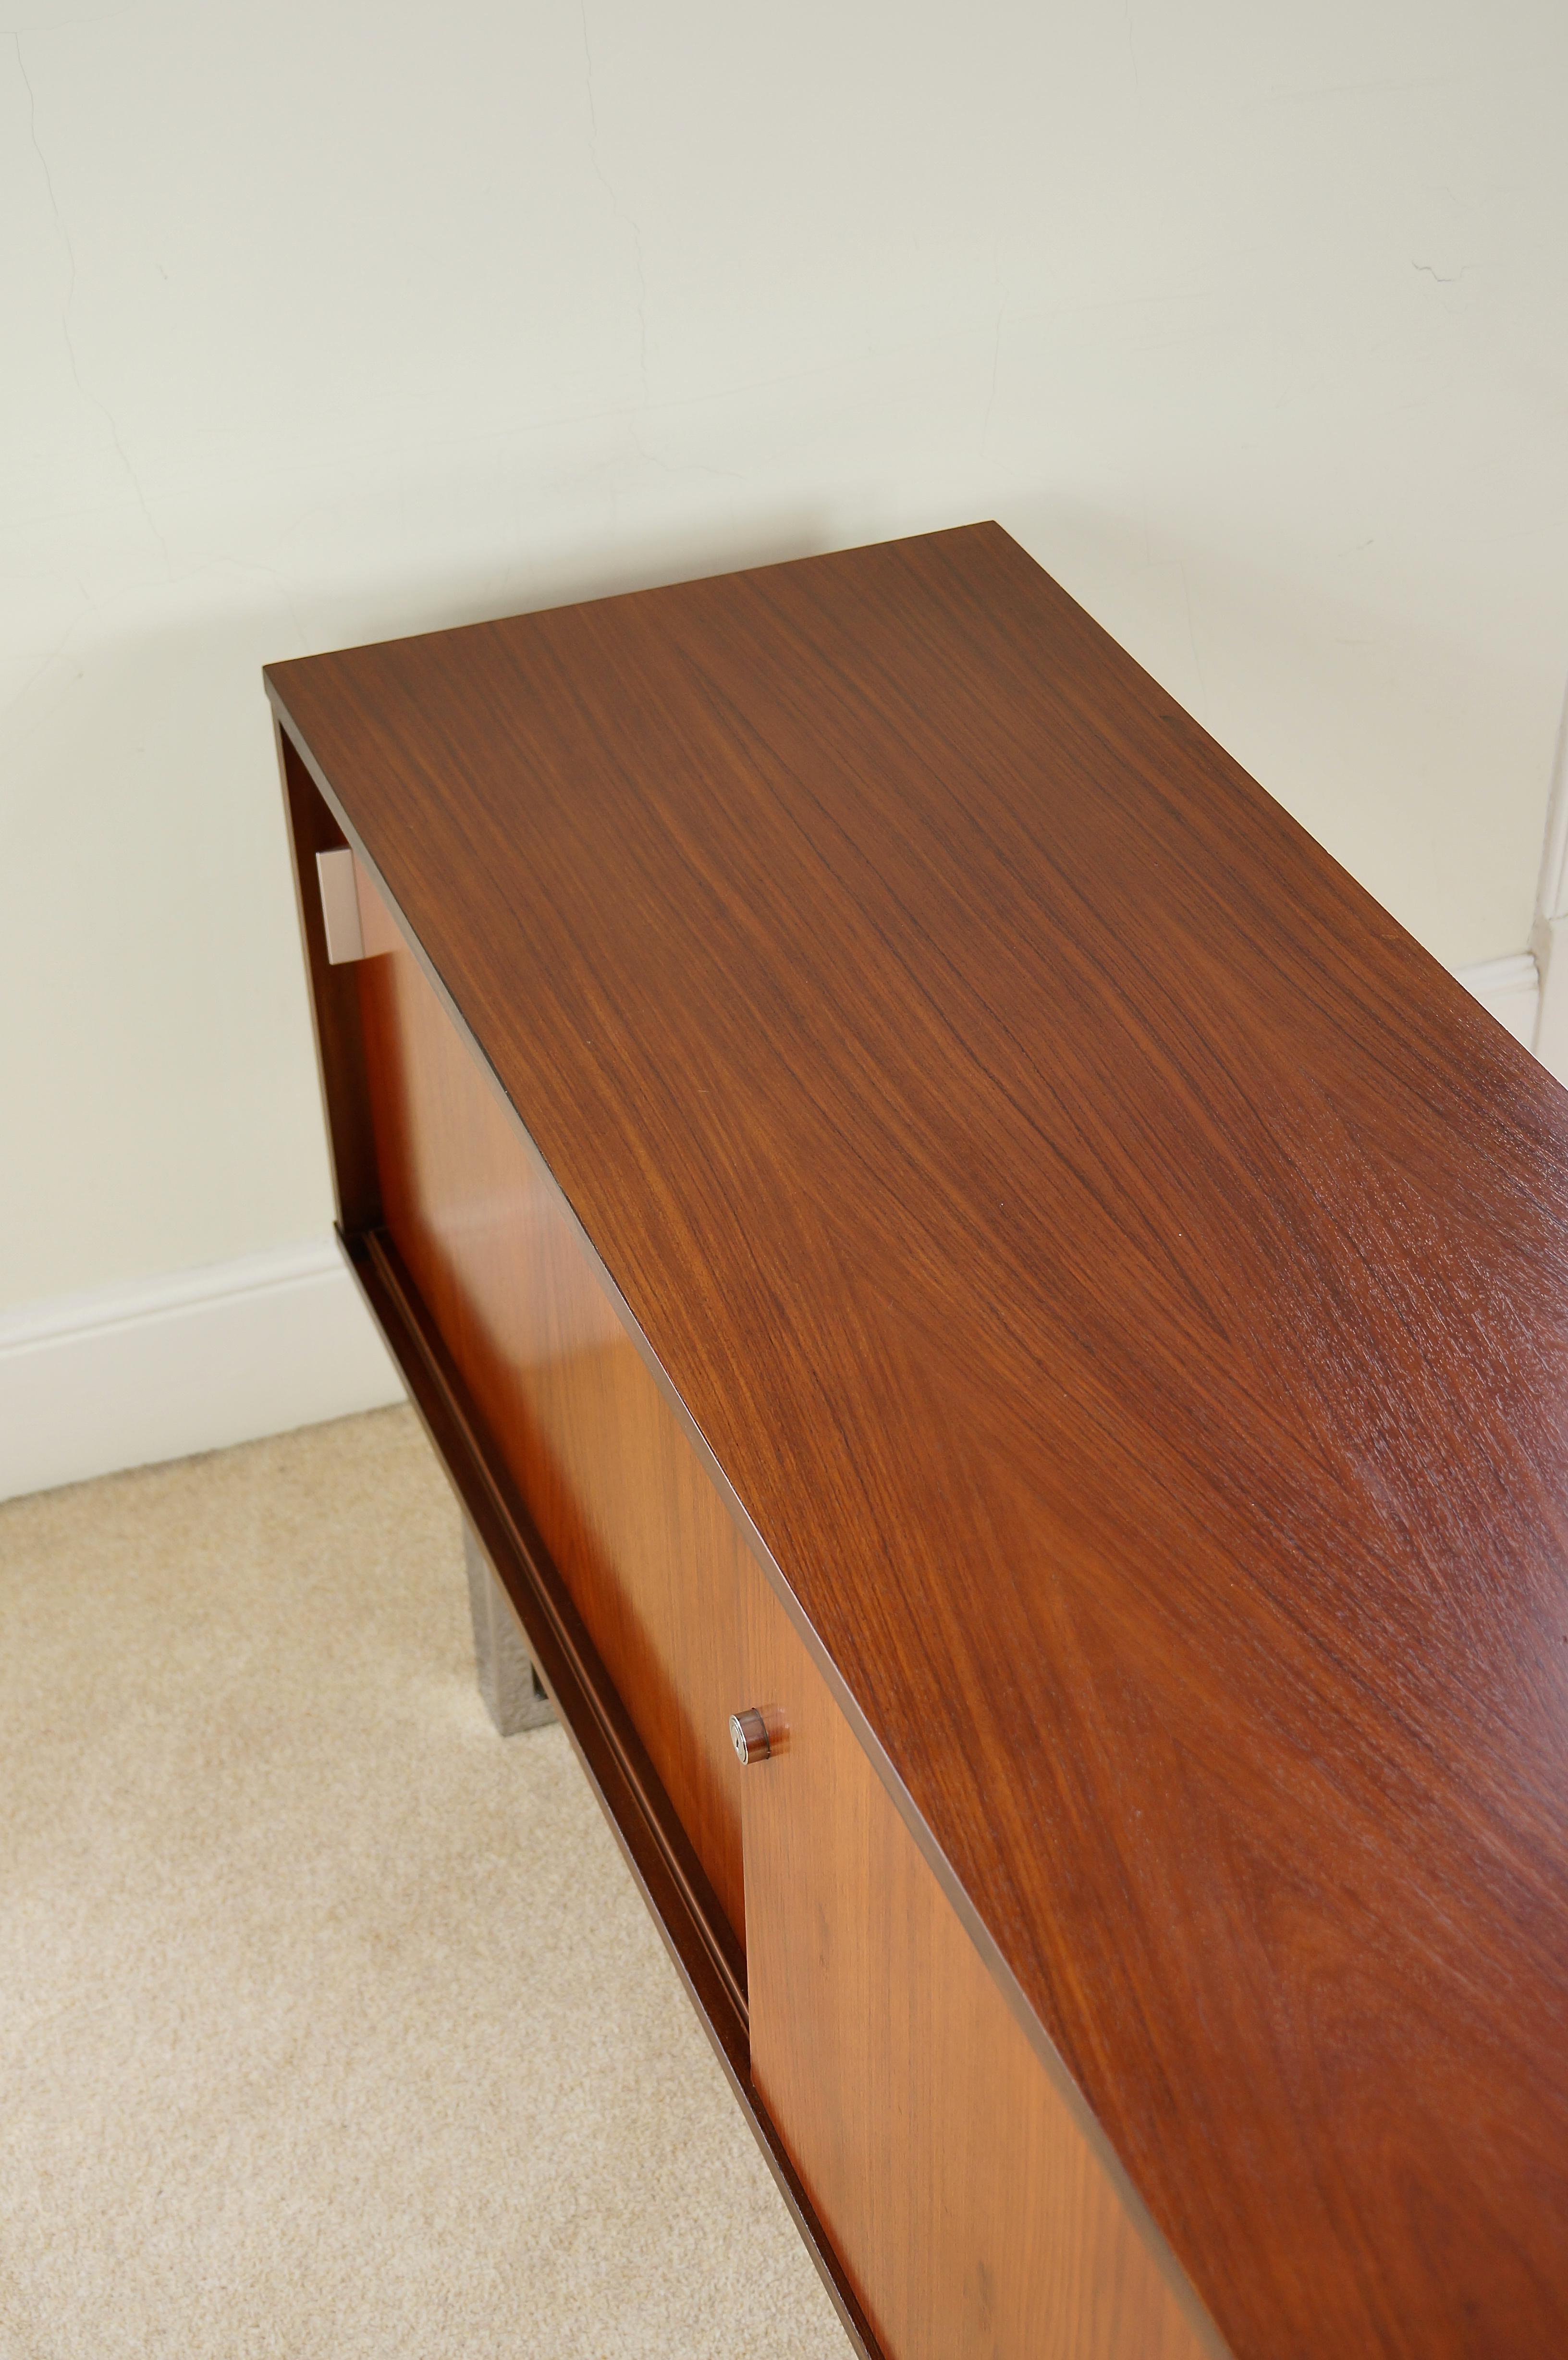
(646, 1547)
(1127, 1283)
(966, 2205)
(703, 1946)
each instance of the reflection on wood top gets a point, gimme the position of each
(1127, 1283)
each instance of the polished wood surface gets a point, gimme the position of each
(644, 1545)
(1127, 1284)
(593, 1713)
(968, 2207)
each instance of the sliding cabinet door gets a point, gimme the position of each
(642, 1540)
(973, 2217)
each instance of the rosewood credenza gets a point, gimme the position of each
(948, 1251)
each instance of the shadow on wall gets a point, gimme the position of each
(163, 1089)
(164, 1085)
(1378, 727)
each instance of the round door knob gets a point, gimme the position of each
(749, 1735)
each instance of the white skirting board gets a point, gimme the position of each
(164, 1367)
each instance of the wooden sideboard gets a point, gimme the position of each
(915, 1202)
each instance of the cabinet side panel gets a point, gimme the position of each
(972, 2216)
(641, 1538)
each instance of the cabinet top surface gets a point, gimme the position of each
(1126, 1281)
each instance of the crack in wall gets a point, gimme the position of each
(93, 400)
(1193, 635)
(621, 210)
(996, 344)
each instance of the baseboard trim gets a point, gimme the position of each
(161, 1368)
(1509, 990)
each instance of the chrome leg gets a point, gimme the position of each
(513, 1692)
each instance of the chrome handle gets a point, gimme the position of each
(749, 1735)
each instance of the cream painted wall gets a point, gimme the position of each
(321, 322)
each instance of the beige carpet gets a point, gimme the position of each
(329, 2023)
